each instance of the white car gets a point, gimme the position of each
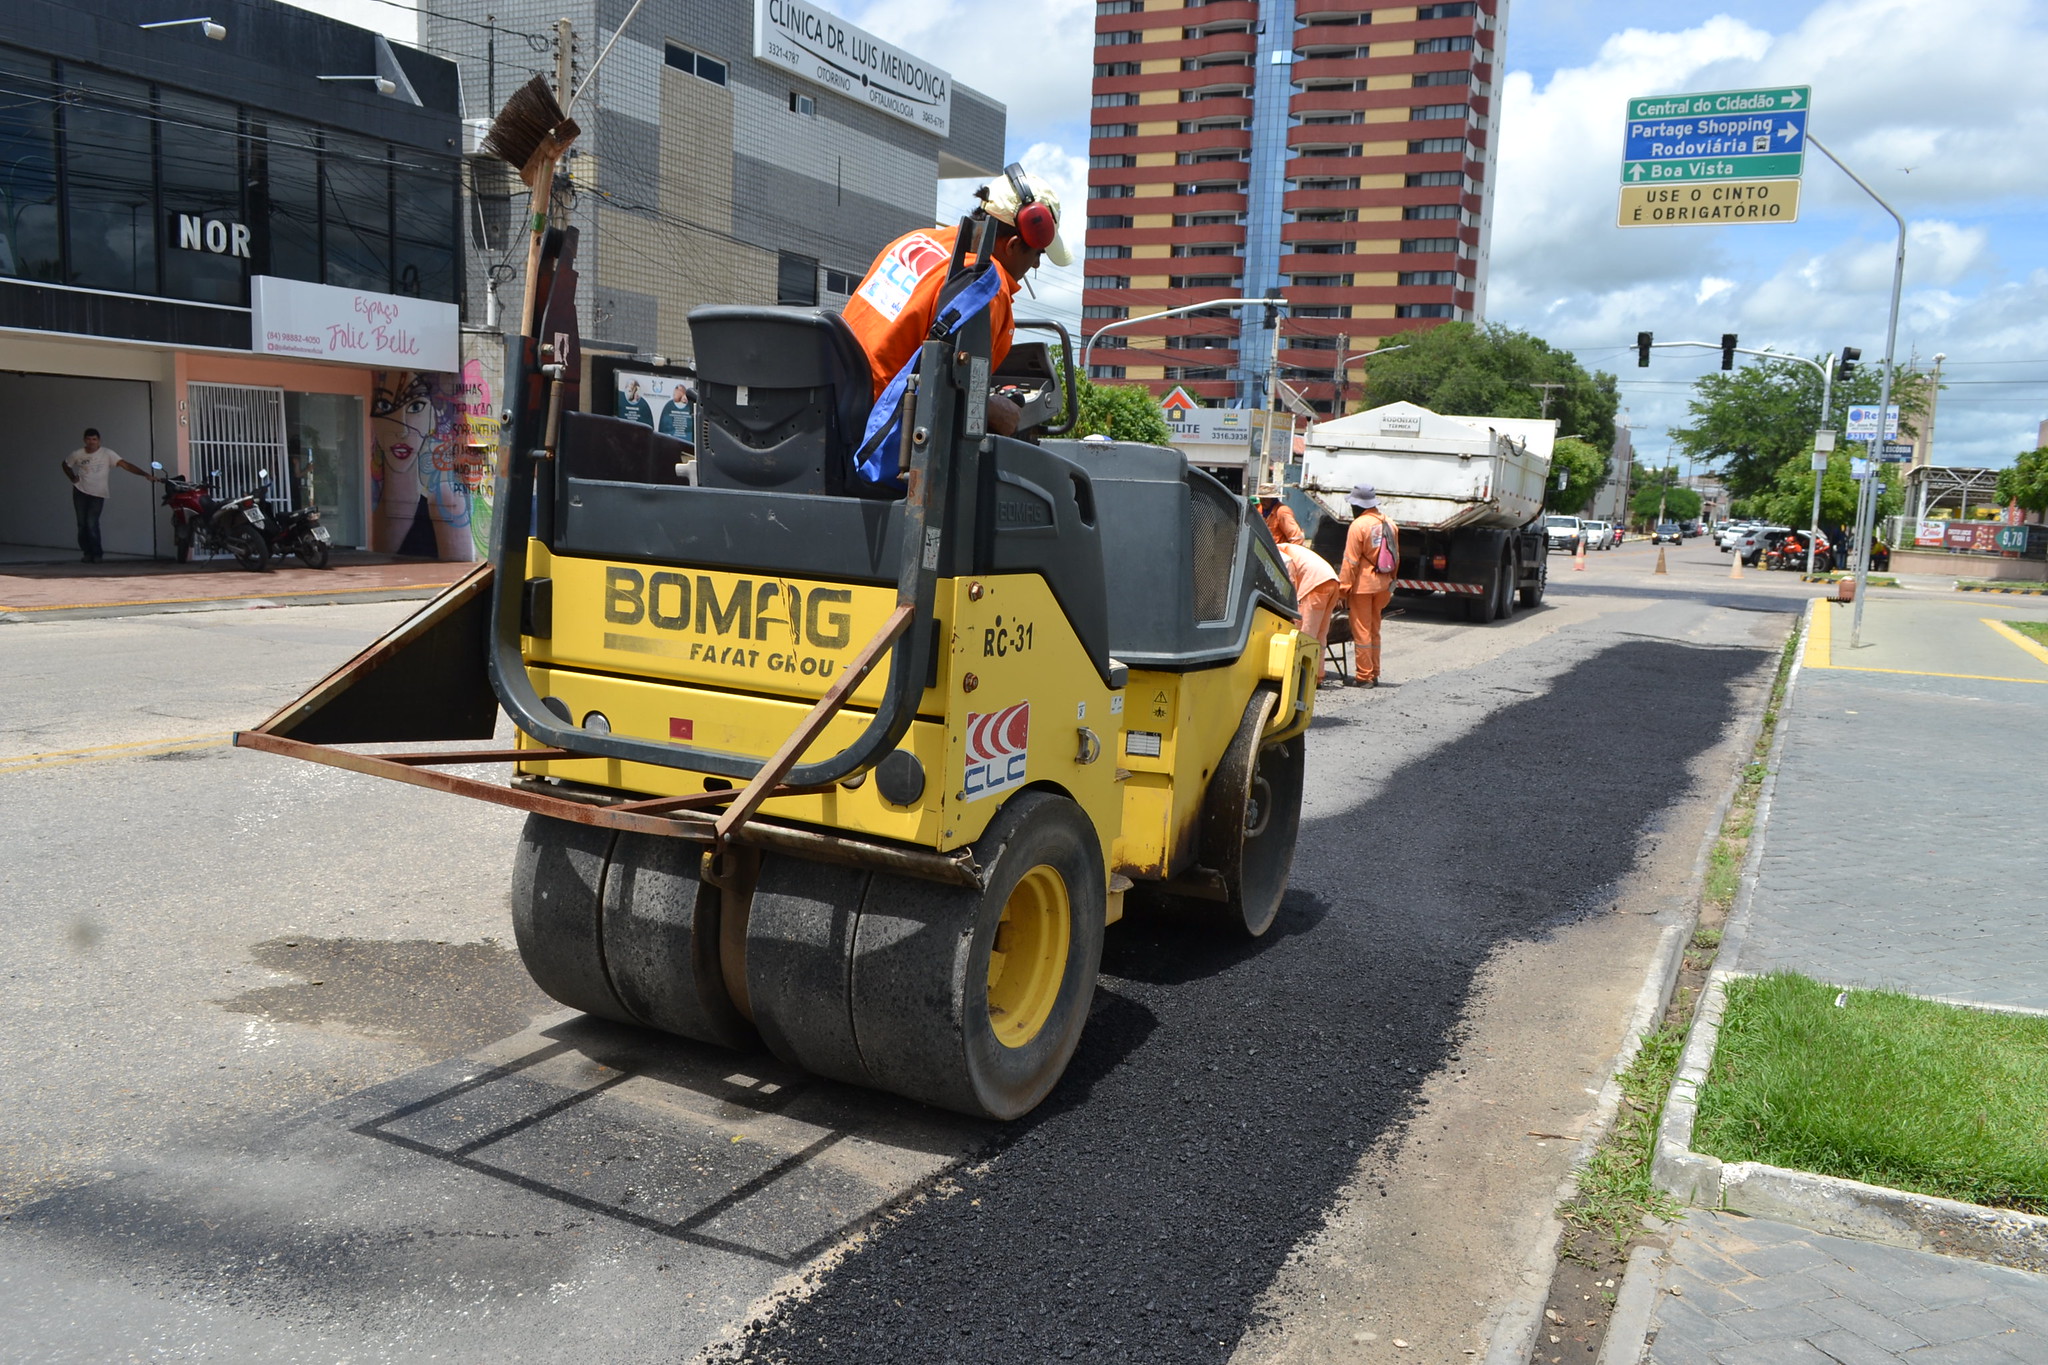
(1733, 531)
(1563, 533)
(1600, 535)
(1750, 543)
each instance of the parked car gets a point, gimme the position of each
(1667, 530)
(1563, 533)
(1693, 530)
(1751, 543)
(1730, 532)
(1600, 535)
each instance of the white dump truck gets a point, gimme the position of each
(1467, 493)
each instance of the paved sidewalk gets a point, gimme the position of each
(1901, 850)
(122, 587)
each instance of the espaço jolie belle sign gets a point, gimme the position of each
(324, 322)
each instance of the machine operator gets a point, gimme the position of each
(891, 312)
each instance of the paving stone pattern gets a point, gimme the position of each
(1884, 868)
(1747, 1291)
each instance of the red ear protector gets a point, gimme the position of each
(1036, 223)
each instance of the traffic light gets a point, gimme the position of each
(1727, 350)
(1850, 355)
(1272, 316)
(1642, 350)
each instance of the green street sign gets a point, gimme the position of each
(1783, 99)
(1782, 167)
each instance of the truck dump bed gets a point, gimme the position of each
(1432, 471)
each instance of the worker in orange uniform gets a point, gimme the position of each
(1279, 520)
(1372, 555)
(891, 312)
(1315, 588)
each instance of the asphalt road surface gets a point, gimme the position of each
(275, 1086)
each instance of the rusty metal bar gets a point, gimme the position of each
(480, 756)
(813, 725)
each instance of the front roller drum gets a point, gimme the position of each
(972, 1000)
(557, 880)
(1251, 816)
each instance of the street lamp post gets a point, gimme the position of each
(1088, 342)
(1343, 374)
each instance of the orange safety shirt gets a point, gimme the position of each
(1306, 568)
(1280, 521)
(1361, 552)
(892, 311)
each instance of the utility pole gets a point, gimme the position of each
(1339, 377)
(1546, 394)
(1663, 489)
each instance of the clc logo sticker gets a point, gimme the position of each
(996, 744)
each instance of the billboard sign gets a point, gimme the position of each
(324, 322)
(819, 46)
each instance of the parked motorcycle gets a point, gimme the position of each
(294, 530)
(203, 519)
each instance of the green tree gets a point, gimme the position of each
(1122, 412)
(1661, 488)
(1789, 499)
(2026, 483)
(1751, 422)
(1576, 469)
(1487, 371)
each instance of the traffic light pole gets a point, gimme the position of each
(1884, 402)
(1088, 343)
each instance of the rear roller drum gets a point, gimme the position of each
(1250, 817)
(975, 1000)
(799, 971)
(659, 924)
(557, 877)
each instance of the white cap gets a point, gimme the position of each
(1002, 206)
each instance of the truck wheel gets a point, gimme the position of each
(1481, 606)
(1506, 608)
(659, 925)
(1532, 596)
(557, 874)
(975, 1000)
(1251, 815)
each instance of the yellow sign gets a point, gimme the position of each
(1710, 203)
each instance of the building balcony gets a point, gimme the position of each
(1333, 35)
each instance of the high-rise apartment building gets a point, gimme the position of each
(1337, 154)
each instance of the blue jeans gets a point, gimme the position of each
(87, 509)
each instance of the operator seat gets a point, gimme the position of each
(783, 397)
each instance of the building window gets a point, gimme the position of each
(696, 63)
(30, 247)
(1112, 191)
(1430, 113)
(1342, 310)
(1464, 9)
(1122, 37)
(1205, 251)
(1312, 343)
(802, 104)
(796, 280)
(1118, 162)
(839, 282)
(1414, 211)
(1208, 220)
(1323, 248)
(1116, 68)
(1108, 220)
(111, 206)
(1312, 183)
(203, 171)
(1113, 130)
(1117, 342)
(1105, 372)
(1429, 244)
(1430, 45)
(1322, 281)
(1108, 253)
(1109, 282)
(1197, 373)
(1205, 281)
(1443, 78)
(1413, 278)
(1431, 146)
(355, 213)
(1116, 99)
(1431, 179)
(1104, 310)
(1326, 215)
(1120, 7)
(1423, 310)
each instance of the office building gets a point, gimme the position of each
(1337, 154)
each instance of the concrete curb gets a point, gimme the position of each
(347, 596)
(1630, 1321)
(1519, 1321)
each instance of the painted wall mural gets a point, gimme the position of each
(433, 457)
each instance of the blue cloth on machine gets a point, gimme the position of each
(875, 466)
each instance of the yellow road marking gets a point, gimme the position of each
(134, 749)
(2032, 646)
(1819, 652)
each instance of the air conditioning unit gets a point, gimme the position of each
(473, 131)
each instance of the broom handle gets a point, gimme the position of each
(542, 204)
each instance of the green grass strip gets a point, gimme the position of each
(2037, 629)
(1614, 1185)
(1884, 1088)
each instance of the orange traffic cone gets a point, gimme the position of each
(1579, 559)
(1735, 569)
(1660, 562)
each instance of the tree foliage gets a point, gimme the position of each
(2026, 483)
(1578, 467)
(1788, 501)
(1661, 488)
(1753, 421)
(1122, 412)
(1487, 371)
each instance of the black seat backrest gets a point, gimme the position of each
(615, 450)
(783, 396)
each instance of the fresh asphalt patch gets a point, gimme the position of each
(1225, 1092)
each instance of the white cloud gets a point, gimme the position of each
(1712, 287)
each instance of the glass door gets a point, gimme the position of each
(324, 440)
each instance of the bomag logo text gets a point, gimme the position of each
(767, 613)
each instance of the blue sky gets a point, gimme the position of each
(1937, 103)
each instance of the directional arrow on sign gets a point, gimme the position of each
(1788, 132)
(1635, 172)
(1790, 99)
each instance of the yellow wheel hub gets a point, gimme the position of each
(1028, 959)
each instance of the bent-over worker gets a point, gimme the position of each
(1372, 556)
(1279, 520)
(891, 312)
(1315, 588)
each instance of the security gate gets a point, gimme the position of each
(237, 431)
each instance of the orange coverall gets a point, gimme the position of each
(1286, 530)
(1366, 590)
(1315, 587)
(892, 311)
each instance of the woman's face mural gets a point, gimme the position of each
(403, 420)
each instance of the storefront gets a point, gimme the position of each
(262, 281)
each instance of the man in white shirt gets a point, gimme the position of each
(87, 468)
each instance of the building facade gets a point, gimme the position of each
(1337, 154)
(234, 251)
(733, 151)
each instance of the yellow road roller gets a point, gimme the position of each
(856, 775)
